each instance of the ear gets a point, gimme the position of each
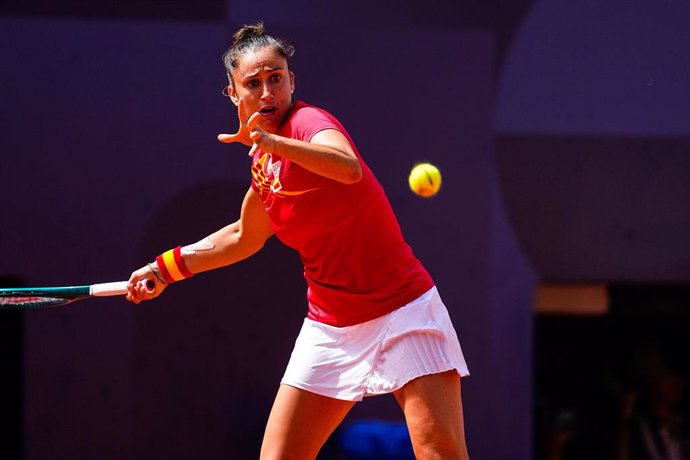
(233, 95)
(292, 82)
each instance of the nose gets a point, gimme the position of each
(266, 91)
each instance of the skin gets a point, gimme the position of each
(263, 87)
(262, 81)
(300, 421)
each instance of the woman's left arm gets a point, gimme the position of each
(328, 154)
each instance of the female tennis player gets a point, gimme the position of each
(375, 322)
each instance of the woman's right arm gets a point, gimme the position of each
(228, 245)
(236, 241)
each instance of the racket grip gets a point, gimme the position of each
(109, 289)
(118, 288)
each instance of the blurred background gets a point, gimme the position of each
(559, 240)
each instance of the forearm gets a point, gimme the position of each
(324, 160)
(219, 249)
(228, 245)
(222, 248)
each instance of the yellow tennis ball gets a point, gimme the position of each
(425, 179)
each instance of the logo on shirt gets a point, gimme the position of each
(266, 178)
(266, 174)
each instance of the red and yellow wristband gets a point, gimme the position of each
(172, 267)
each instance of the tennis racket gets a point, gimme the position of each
(41, 297)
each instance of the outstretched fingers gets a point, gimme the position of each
(242, 134)
(250, 132)
(229, 138)
(255, 132)
(253, 121)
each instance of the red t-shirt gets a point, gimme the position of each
(356, 262)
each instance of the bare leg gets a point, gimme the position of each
(433, 411)
(300, 423)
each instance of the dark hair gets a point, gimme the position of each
(252, 37)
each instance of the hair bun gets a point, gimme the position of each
(251, 37)
(249, 31)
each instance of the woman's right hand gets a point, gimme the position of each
(137, 287)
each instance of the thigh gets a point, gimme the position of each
(300, 423)
(433, 411)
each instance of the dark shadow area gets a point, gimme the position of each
(12, 377)
(158, 10)
(598, 379)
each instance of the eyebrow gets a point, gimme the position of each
(254, 74)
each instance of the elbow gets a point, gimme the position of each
(353, 175)
(250, 244)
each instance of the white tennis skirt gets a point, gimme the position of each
(378, 356)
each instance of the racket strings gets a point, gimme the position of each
(31, 302)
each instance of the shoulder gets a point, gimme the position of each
(303, 111)
(306, 120)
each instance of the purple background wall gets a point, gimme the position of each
(592, 122)
(109, 136)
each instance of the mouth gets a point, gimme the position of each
(267, 111)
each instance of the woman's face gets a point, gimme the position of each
(265, 85)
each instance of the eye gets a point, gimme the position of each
(275, 78)
(252, 84)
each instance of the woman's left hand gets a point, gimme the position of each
(243, 132)
(250, 133)
(260, 138)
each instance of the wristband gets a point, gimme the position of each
(172, 267)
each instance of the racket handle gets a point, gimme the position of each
(118, 288)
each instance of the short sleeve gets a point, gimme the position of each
(308, 121)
